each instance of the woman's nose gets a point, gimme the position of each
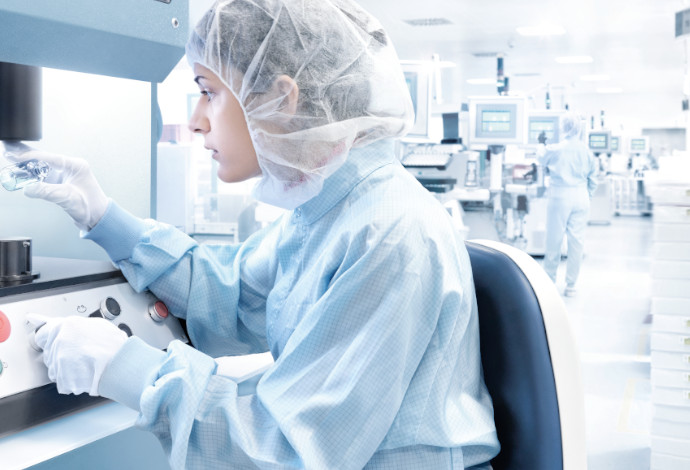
(198, 123)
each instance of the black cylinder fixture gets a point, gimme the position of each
(20, 102)
(15, 261)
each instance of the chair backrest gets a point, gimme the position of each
(525, 338)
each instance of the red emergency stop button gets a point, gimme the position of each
(5, 327)
(158, 311)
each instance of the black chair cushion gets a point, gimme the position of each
(516, 362)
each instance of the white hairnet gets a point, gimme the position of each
(351, 87)
(572, 126)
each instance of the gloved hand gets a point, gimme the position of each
(542, 137)
(77, 350)
(70, 184)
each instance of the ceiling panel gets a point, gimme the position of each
(631, 41)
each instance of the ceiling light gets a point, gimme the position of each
(443, 64)
(609, 90)
(526, 74)
(575, 59)
(541, 30)
(485, 54)
(595, 78)
(428, 22)
(482, 81)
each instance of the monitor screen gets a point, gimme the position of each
(411, 78)
(417, 81)
(546, 124)
(615, 143)
(638, 144)
(599, 141)
(496, 120)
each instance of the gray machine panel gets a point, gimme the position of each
(137, 39)
(64, 287)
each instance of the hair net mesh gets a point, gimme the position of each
(351, 88)
(572, 126)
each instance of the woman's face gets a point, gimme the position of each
(219, 118)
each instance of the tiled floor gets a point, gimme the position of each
(611, 322)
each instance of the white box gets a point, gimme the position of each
(670, 306)
(671, 232)
(672, 413)
(671, 446)
(662, 427)
(668, 269)
(671, 396)
(670, 342)
(670, 360)
(677, 251)
(671, 288)
(670, 378)
(671, 324)
(675, 195)
(672, 214)
(661, 461)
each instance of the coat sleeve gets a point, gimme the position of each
(592, 175)
(219, 290)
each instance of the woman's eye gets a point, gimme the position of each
(208, 94)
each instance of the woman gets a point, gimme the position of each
(362, 292)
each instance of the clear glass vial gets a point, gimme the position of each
(22, 174)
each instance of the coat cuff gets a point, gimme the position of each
(117, 232)
(134, 367)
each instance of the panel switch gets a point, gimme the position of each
(158, 311)
(5, 327)
(110, 308)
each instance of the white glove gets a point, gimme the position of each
(77, 350)
(70, 184)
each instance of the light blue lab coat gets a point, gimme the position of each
(572, 169)
(364, 297)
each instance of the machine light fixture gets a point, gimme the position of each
(595, 78)
(610, 90)
(542, 30)
(575, 59)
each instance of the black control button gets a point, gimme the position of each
(110, 308)
(125, 328)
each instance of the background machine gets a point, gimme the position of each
(508, 132)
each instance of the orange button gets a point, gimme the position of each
(5, 327)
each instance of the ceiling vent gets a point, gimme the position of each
(429, 22)
(527, 74)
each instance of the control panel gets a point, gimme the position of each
(140, 314)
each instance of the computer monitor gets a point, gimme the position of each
(599, 141)
(615, 143)
(497, 120)
(547, 122)
(638, 144)
(418, 83)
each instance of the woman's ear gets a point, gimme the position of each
(287, 87)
